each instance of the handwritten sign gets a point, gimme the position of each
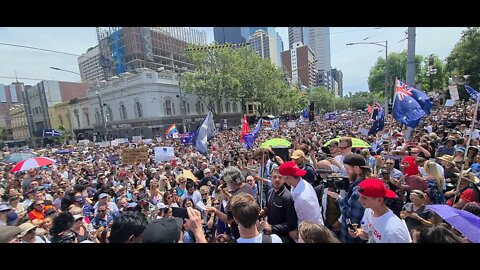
(135, 155)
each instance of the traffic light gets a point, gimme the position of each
(390, 107)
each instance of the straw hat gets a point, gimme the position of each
(471, 177)
(447, 158)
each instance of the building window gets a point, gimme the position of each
(198, 107)
(77, 117)
(60, 119)
(234, 107)
(87, 116)
(109, 115)
(97, 117)
(220, 107)
(250, 108)
(123, 111)
(203, 108)
(188, 108)
(138, 108)
(168, 107)
(227, 107)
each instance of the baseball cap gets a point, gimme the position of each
(102, 195)
(375, 188)
(78, 216)
(297, 154)
(356, 160)
(207, 170)
(290, 168)
(5, 207)
(165, 230)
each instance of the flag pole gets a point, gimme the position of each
(472, 126)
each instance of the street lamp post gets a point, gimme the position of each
(380, 43)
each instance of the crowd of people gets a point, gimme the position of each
(317, 193)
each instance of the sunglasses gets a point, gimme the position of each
(39, 204)
(101, 211)
(203, 194)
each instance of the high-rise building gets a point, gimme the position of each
(259, 41)
(10, 95)
(299, 64)
(124, 49)
(89, 65)
(318, 39)
(337, 75)
(19, 123)
(230, 35)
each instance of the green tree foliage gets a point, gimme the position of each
(465, 57)
(397, 68)
(65, 135)
(237, 74)
(439, 80)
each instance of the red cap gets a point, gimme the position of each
(122, 173)
(375, 188)
(290, 168)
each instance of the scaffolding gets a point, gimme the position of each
(129, 48)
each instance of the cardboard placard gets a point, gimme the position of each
(164, 153)
(134, 155)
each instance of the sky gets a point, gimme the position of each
(354, 61)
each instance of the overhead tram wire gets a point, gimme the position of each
(39, 49)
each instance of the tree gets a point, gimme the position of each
(212, 79)
(237, 74)
(465, 57)
(397, 68)
(65, 135)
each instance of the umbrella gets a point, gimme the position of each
(355, 143)
(465, 222)
(32, 163)
(17, 157)
(64, 151)
(275, 142)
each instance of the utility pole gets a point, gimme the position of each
(410, 67)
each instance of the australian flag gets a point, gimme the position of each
(472, 92)
(51, 133)
(186, 138)
(379, 122)
(249, 138)
(410, 105)
(201, 137)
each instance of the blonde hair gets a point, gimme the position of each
(432, 170)
(205, 189)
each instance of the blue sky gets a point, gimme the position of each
(354, 61)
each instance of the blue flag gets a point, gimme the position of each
(275, 123)
(410, 105)
(305, 113)
(472, 92)
(379, 122)
(51, 133)
(186, 138)
(249, 138)
(200, 139)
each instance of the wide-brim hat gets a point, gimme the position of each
(469, 176)
(447, 158)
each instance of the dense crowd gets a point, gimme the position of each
(315, 193)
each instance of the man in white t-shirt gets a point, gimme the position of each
(379, 224)
(245, 211)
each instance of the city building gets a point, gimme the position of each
(337, 75)
(299, 65)
(318, 39)
(60, 116)
(10, 95)
(234, 35)
(268, 44)
(144, 103)
(123, 49)
(44, 95)
(89, 65)
(19, 123)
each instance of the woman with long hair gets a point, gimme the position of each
(435, 183)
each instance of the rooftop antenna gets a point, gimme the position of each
(16, 77)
